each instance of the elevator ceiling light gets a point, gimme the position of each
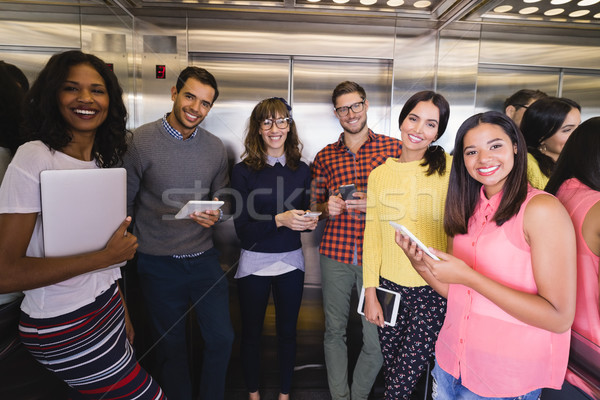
(579, 13)
(585, 3)
(422, 4)
(528, 10)
(395, 3)
(503, 9)
(558, 2)
(531, 1)
(554, 11)
(368, 2)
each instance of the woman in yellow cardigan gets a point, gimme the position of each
(410, 190)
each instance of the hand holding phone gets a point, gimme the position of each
(312, 214)
(413, 238)
(347, 190)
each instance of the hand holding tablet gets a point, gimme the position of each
(193, 206)
(413, 238)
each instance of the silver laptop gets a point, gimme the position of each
(81, 209)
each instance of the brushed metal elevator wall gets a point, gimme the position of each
(476, 66)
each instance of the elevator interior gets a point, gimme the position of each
(476, 53)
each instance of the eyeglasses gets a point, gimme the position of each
(281, 123)
(521, 105)
(356, 107)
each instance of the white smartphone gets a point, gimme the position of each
(312, 214)
(197, 205)
(413, 238)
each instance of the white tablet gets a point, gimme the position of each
(197, 205)
(413, 238)
(389, 301)
(81, 209)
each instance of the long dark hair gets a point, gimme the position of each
(255, 154)
(11, 104)
(435, 156)
(580, 158)
(43, 121)
(541, 121)
(463, 190)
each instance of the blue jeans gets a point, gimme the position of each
(254, 294)
(446, 387)
(171, 287)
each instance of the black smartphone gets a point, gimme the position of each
(347, 190)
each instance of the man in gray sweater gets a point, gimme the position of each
(169, 162)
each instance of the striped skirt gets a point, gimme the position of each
(88, 349)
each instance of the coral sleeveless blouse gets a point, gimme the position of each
(578, 199)
(495, 354)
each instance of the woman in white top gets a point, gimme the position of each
(73, 319)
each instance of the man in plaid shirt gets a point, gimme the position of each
(349, 160)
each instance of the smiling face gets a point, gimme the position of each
(83, 100)
(555, 143)
(190, 106)
(353, 122)
(489, 156)
(419, 129)
(274, 138)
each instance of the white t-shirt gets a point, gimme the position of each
(20, 194)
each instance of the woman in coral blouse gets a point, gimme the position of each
(510, 277)
(576, 183)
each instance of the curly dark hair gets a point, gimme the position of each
(43, 120)
(435, 157)
(255, 155)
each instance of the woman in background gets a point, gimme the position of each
(510, 279)
(73, 319)
(410, 190)
(11, 103)
(576, 183)
(274, 186)
(546, 125)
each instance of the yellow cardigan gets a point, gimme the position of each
(401, 192)
(534, 175)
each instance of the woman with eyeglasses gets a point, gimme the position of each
(410, 190)
(271, 187)
(546, 126)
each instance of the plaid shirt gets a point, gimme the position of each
(335, 165)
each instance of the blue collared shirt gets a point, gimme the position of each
(174, 132)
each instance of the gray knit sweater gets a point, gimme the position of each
(163, 173)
